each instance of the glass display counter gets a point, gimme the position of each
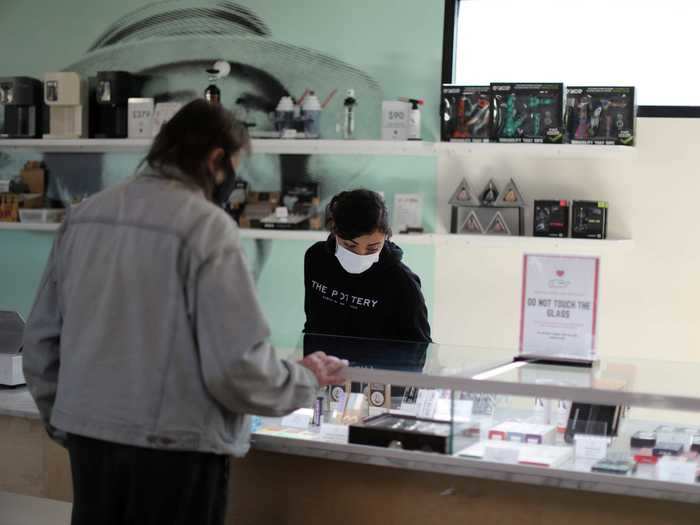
(618, 426)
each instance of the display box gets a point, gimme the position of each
(404, 432)
(33, 175)
(589, 219)
(531, 113)
(466, 113)
(524, 433)
(551, 219)
(600, 115)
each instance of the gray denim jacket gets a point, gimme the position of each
(146, 329)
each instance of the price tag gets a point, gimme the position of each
(501, 454)
(336, 433)
(300, 419)
(591, 448)
(676, 469)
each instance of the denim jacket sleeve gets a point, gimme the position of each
(41, 345)
(241, 370)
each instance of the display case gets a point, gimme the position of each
(617, 426)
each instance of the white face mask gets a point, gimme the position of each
(353, 263)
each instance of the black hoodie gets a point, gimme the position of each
(385, 302)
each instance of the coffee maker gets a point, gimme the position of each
(21, 108)
(11, 334)
(109, 109)
(66, 95)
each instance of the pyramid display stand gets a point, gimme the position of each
(491, 212)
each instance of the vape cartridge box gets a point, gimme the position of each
(589, 219)
(551, 219)
(531, 113)
(466, 113)
(600, 115)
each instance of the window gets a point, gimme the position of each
(649, 45)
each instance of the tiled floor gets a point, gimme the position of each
(25, 510)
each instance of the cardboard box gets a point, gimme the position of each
(34, 176)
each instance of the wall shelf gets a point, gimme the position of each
(423, 239)
(261, 146)
(550, 151)
(338, 147)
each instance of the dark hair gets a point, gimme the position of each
(187, 139)
(352, 214)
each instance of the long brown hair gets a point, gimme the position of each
(186, 141)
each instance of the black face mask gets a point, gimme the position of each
(222, 193)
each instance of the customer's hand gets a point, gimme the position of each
(327, 369)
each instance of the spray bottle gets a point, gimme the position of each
(414, 121)
(350, 103)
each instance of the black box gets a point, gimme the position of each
(668, 449)
(600, 115)
(589, 219)
(404, 432)
(551, 219)
(530, 113)
(466, 113)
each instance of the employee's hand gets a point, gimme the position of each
(327, 369)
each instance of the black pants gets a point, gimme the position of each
(118, 485)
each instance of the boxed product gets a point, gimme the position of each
(140, 123)
(530, 113)
(551, 219)
(466, 113)
(589, 219)
(524, 433)
(600, 115)
(258, 206)
(405, 432)
(42, 215)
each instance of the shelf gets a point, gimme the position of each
(262, 146)
(423, 239)
(339, 147)
(533, 243)
(29, 227)
(553, 151)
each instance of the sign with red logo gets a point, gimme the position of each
(559, 307)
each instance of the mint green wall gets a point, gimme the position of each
(397, 42)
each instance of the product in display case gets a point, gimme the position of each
(584, 418)
(600, 115)
(589, 219)
(530, 113)
(668, 449)
(466, 113)
(643, 440)
(551, 218)
(258, 205)
(402, 432)
(621, 464)
(524, 433)
(21, 108)
(490, 212)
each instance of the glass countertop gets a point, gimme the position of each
(610, 380)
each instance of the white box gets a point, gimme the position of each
(395, 119)
(140, 118)
(4, 186)
(163, 113)
(11, 370)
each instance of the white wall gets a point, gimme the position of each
(649, 288)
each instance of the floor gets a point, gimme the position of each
(26, 510)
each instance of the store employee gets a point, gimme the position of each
(356, 283)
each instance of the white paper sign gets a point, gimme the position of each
(408, 211)
(395, 116)
(676, 469)
(559, 306)
(333, 432)
(427, 402)
(591, 448)
(298, 419)
(462, 410)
